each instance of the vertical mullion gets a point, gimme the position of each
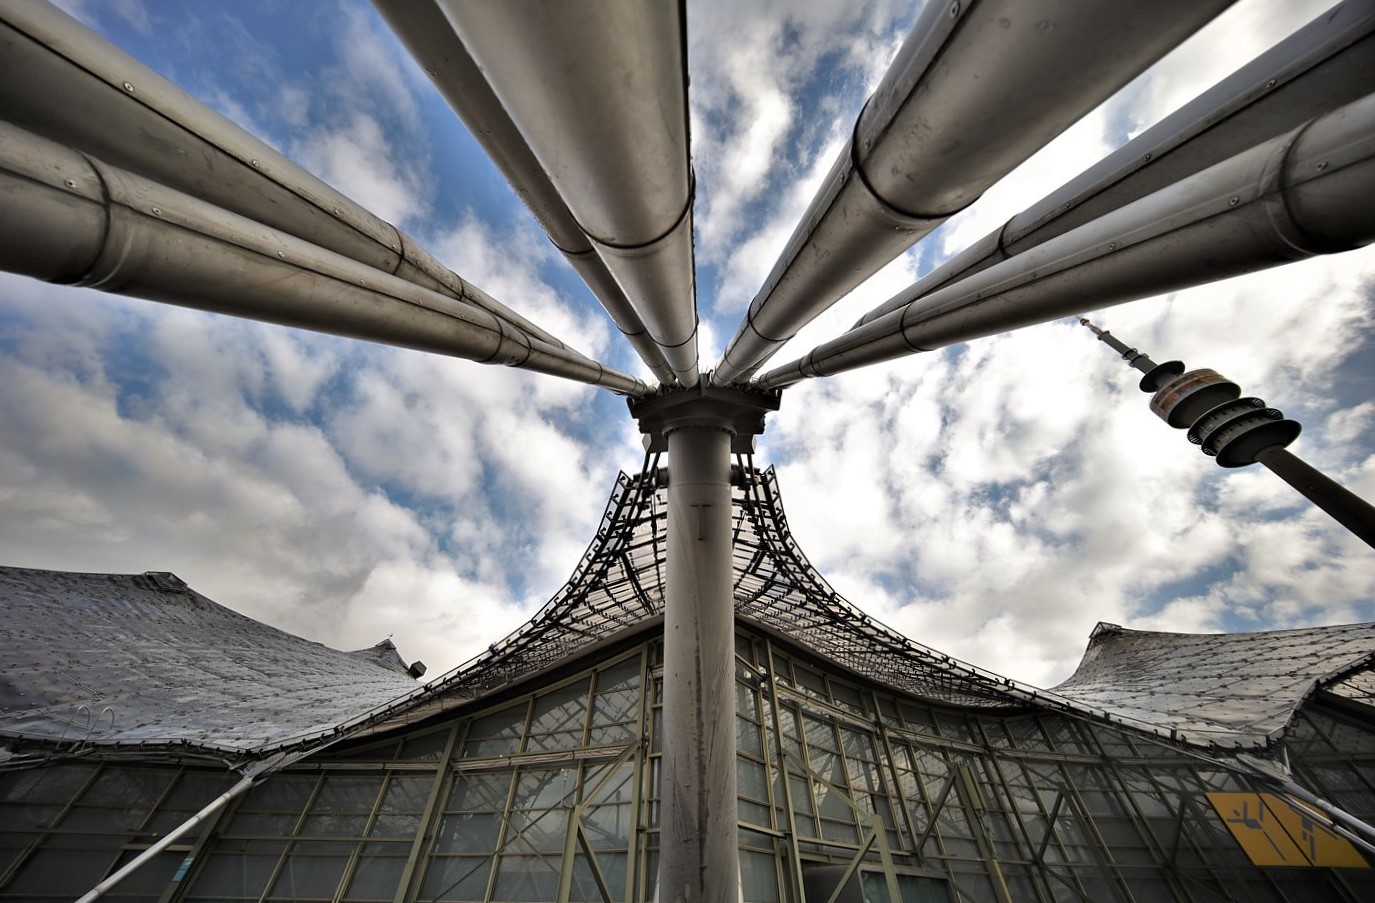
(352, 864)
(45, 833)
(291, 838)
(516, 774)
(790, 830)
(1098, 849)
(644, 720)
(428, 818)
(967, 791)
(190, 865)
(162, 798)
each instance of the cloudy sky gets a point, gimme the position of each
(994, 500)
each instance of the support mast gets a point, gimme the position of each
(700, 427)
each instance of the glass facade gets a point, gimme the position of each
(845, 788)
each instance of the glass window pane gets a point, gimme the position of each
(148, 881)
(342, 793)
(755, 813)
(67, 872)
(758, 877)
(497, 734)
(426, 747)
(306, 874)
(456, 878)
(189, 796)
(334, 825)
(44, 785)
(584, 887)
(280, 793)
(237, 868)
(621, 676)
(752, 779)
(404, 825)
(469, 832)
(258, 824)
(480, 790)
(562, 710)
(376, 877)
(612, 735)
(616, 789)
(820, 734)
(537, 831)
(545, 788)
(837, 831)
(15, 816)
(128, 788)
(553, 742)
(615, 706)
(802, 797)
(607, 827)
(407, 794)
(748, 736)
(526, 879)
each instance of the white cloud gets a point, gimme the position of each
(322, 486)
(774, 87)
(132, 12)
(1017, 489)
(357, 158)
(993, 501)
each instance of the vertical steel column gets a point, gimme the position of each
(699, 859)
(700, 428)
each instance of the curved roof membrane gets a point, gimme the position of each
(1224, 686)
(94, 659)
(144, 660)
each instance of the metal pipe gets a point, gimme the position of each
(598, 94)
(169, 838)
(68, 218)
(120, 111)
(1322, 66)
(1292, 197)
(975, 90)
(1339, 818)
(699, 858)
(422, 27)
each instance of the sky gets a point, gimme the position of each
(993, 500)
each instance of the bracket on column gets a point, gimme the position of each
(739, 411)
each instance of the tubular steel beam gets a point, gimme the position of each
(421, 25)
(975, 90)
(120, 111)
(598, 93)
(70, 219)
(1324, 65)
(1295, 196)
(699, 857)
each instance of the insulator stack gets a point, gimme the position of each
(1223, 424)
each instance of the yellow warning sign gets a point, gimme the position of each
(1274, 832)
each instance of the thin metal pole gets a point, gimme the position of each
(699, 859)
(1345, 506)
(169, 838)
(1338, 819)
